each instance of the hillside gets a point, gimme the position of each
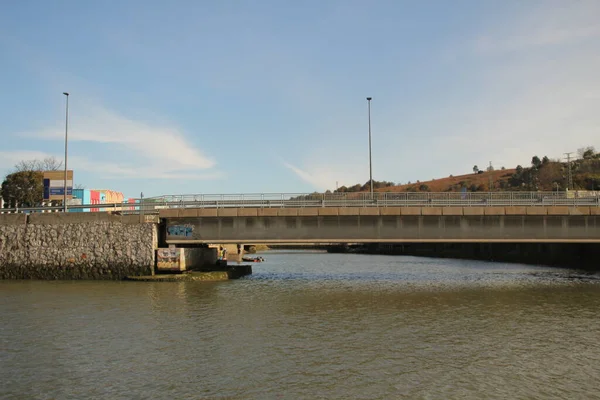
(542, 175)
(473, 182)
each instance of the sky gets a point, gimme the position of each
(269, 96)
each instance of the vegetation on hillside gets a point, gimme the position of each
(366, 187)
(543, 174)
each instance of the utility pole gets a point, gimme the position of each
(569, 176)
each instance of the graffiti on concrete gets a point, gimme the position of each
(180, 230)
(169, 259)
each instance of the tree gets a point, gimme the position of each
(47, 164)
(586, 152)
(23, 189)
(475, 169)
(548, 175)
(545, 160)
(536, 162)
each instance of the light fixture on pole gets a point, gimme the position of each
(370, 162)
(66, 151)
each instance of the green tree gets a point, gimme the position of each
(23, 189)
(536, 162)
(475, 169)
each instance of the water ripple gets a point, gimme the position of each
(309, 326)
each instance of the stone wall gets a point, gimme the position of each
(75, 246)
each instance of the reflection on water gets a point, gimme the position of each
(309, 325)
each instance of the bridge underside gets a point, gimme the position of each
(383, 229)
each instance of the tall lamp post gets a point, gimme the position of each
(370, 162)
(66, 151)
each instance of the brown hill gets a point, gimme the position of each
(473, 182)
(542, 175)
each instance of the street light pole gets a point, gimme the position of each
(66, 151)
(370, 162)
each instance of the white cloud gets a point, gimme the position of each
(152, 151)
(132, 171)
(8, 159)
(161, 145)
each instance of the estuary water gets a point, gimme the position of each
(309, 325)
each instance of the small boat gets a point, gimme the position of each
(253, 259)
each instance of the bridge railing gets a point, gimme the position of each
(378, 199)
(301, 200)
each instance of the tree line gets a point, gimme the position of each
(547, 175)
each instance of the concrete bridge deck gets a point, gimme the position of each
(329, 211)
(383, 224)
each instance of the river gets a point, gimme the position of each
(309, 325)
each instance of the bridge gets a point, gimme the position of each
(489, 217)
(511, 224)
(551, 228)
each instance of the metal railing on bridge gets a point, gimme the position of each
(301, 200)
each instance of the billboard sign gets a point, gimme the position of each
(54, 185)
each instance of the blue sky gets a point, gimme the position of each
(269, 96)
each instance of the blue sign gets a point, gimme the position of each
(55, 191)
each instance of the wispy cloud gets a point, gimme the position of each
(161, 152)
(8, 159)
(326, 175)
(132, 171)
(552, 24)
(547, 37)
(544, 101)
